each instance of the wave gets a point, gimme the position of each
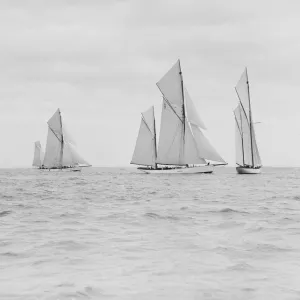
(271, 248)
(5, 213)
(230, 210)
(157, 216)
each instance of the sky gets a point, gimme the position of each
(99, 61)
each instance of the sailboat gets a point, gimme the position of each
(247, 156)
(38, 155)
(183, 147)
(60, 149)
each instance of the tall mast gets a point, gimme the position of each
(183, 111)
(242, 135)
(250, 117)
(155, 148)
(62, 143)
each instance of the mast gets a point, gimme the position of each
(183, 111)
(155, 148)
(62, 143)
(242, 136)
(250, 117)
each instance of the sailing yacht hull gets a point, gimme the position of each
(242, 170)
(183, 170)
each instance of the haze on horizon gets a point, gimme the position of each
(99, 61)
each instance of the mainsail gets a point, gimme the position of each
(246, 146)
(145, 148)
(60, 149)
(38, 155)
(182, 140)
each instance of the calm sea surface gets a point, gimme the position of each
(109, 233)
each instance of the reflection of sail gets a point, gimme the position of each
(145, 148)
(60, 148)
(246, 146)
(38, 155)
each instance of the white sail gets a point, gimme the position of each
(191, 153)
(53, 151)
(60, 148)
(181, 140)
(256, 156)
(145, 148)
(171, 87)
(243, 118)
(191, 111)
(38, 155)
(204, 147)
(71, 157)
(239, 148)
(170, 137)
(242, 89)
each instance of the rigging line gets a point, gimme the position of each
(238, 125)
(172, 108)
(143, 119)
(54, 133)
(242, 105)
(169, 103)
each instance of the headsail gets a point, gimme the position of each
(145, 148)
(60, 149)
(38, 155)
(246, 146)
(181, 139)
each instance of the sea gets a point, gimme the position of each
(115, 233)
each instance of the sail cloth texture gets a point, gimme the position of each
(145, 152)
(181, 140)
(60, 148)
(38, 155)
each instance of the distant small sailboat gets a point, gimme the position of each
(38, 155)
(60, 149)
(247, 156)
(183, 147)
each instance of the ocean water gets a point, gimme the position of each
(109, 233)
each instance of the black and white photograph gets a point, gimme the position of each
(149, 149)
